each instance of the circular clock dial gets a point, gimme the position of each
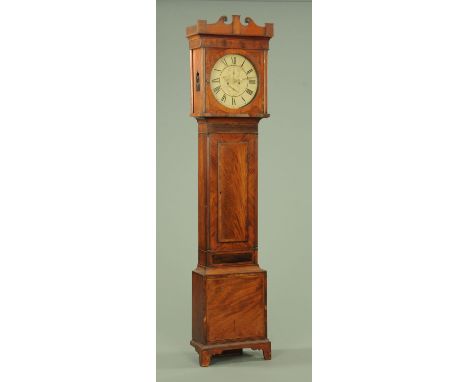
(234, 81)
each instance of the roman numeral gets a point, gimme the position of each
(249, 92)
(233, 101)
(223, 98)
(243, 63)
(251, 81)
(217, 89)
(233, 59)
(216, 80)
(249, 71)
(218, 70)
(225, 63)
(243, 99)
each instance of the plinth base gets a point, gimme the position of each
(205, 352)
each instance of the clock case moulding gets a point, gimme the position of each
(229, 289)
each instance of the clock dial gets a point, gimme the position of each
(233, 81)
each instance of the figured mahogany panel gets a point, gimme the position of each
(232, 183)
(232, 191)
(235, 307)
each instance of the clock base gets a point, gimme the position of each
(205, 352)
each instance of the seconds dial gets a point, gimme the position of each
(233, 81)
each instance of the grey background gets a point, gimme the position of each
(284, 192)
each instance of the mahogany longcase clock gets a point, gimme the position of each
(228, 71)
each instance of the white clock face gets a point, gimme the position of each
(234, 81)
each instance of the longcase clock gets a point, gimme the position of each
(228, 71)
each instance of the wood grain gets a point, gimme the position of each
(198, 308)
(232, 191)
(235, 307)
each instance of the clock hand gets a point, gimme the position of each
(232, 88)
(227, 79)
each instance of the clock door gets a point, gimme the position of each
(233, 191)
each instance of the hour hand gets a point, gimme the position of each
(233, 88)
